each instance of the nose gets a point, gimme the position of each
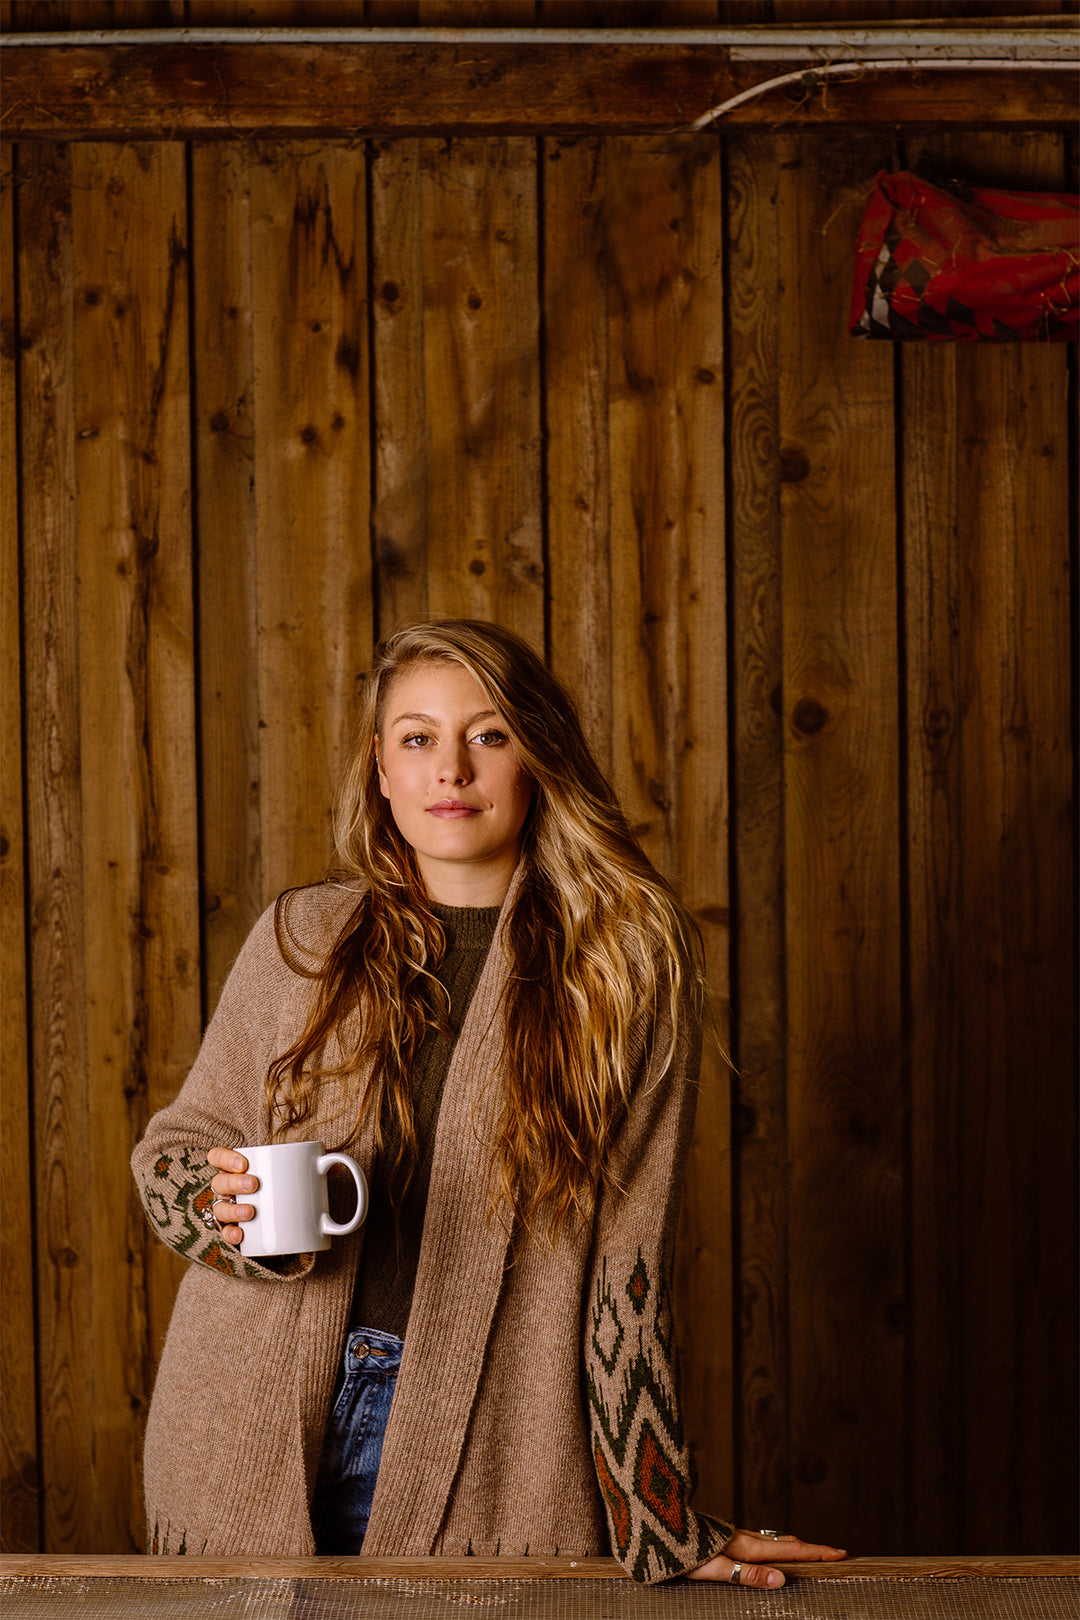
(454, 763)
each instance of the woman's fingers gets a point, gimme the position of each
(751, 1554)
(722, 1568)
(784, 1550)
(227, 1159)
(229, 1186)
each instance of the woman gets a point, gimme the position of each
(497, 1008)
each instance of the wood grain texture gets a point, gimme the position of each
(223, 405)
(578, 464)
(482, 381)
(400, 513)
(51, 16)
(476, 13)
(629, 13)
(932, 491)
(137, 760)
(54, 843)
(277, 13)
(312, 490)
(184, 91)
(757, 670)
(518, 1569)
(1014, 948)
(662, 221)
(841, 867)
(458, 462)
(19, 1473)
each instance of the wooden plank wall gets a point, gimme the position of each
(262, 401)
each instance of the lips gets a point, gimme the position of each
(453, 810)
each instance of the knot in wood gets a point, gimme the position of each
(808, 716)
(794, 464)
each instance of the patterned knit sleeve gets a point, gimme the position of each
(221, 1104)
(643, 1462)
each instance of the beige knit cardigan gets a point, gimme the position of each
(537, 1406)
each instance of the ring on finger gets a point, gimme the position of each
(775, 1535)
(736, 1574)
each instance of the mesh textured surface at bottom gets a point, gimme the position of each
(41, 1597)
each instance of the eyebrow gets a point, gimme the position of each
(429, 720)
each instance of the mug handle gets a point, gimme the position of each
(334, 1228)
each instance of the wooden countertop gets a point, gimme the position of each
(452, 1569)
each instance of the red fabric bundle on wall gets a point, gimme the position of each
(966, 263)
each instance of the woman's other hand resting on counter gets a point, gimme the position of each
(744, 1560)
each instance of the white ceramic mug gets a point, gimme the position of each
(292, 1208)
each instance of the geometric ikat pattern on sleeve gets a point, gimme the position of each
(643, 1463)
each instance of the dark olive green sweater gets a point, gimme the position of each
(384, 1286)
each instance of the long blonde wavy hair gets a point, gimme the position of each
(602, 950)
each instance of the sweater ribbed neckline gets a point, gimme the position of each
(467, 928)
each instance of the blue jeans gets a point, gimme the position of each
(349, 1465)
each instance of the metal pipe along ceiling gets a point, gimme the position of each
(1036, 46)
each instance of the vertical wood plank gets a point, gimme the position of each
(1018, 826)
(54, 842)
(933, 664)
(577, 496)
(312, 488)
(759, 1037)
(19, 1473)
(400, 517)
(481, 364)
(842, 899)
(136, 682)
(477, 447)
(993, 885)
(1020, 859)
(223, 407)
(663, 227)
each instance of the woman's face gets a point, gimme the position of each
(456, 788)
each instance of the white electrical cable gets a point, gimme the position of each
(810, 75)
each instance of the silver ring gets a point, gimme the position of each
(775, 1535)
(736, 1574)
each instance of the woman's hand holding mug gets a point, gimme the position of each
(281, 1189)
(229, 1185)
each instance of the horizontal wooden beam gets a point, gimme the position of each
(26, 1565)
(181, 91)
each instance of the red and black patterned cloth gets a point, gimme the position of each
(952, 261)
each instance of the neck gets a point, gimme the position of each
(467, 884)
